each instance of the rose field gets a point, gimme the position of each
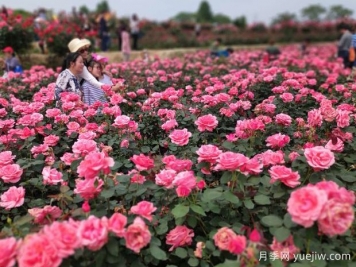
(195, 162)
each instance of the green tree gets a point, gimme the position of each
(240, 22)
(313, 12)
(284, 17)
(338, 12)
(103, 6)
(84, 9)
(204, 13)
(222, 19)
(185, 17)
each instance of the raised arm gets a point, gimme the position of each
(86, 75)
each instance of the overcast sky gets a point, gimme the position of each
(160, 10)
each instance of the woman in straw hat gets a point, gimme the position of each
(82, 47)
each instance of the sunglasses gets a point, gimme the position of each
(81, 51)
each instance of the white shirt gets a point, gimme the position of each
(134, 26)
(86, 75)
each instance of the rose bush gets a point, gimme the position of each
(195, 162)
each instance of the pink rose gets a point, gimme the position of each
(315, 118)
(45, 215)
(335, 218)
(343, 118)
(83, 147)
(206, 123)
(287, 97)
(230, 161)
(8, 247)
(51, 140)
(286, 247)
(144, 209)
(64, 237)
(142, 162)
(223, 237)
(336, 145)
(121, 121)
(93, 232)
(185, 178)
(277, 140)
(305, 205)
(169, 125)
(179, 165)
(165, 178)
(117, 224)
(11, 173)
(198, 252)
(38, 250)
(180, 137)
(137, 235)
(237, 244)
(93, 164)
(319, 158)
(179, 236)
(6, 158)
(208, 153)
(125, 143)
(283, 119)
(13, 197)
(88, 188)
(285, 175)
(51, 176)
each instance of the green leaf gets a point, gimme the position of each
(193, 262)
(181, 253)
(287, 221)
(158, 253)
(117, 165)
(162, 228)
(249, 204)
(226, 177)
(180, 211)
(108, 193)
(23, 220)
(192, 221)
(145, 149)
(210, 194)
(100, 257)
(231, 197)
(229, 263)
(271, 220)
(64, 188)
(197, 209)
(282, 234)
(262, 200)
(228, 145)
(277, 263)
(113, 247)
(347, 177)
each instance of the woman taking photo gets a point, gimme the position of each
(67, 80)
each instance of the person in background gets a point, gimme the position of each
(215, 47)
(272, 50)
(344, 44)
(125, 47)
(82, 46)
(104, 33)
(197, 29)
(135, 31)
(91, 93)
(11, 62)
(118, 32)
(67, 80)
(304, 46)
(352, 57)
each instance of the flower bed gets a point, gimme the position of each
(196, 162)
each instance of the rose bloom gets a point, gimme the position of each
(38, 250)
(51, 140)
(137, 235)
(287, 97)
(305, 205)
(286, 247)
(165, 178)
(121, 121)
(179, 236)
(198, 252)
(64, 237)
(88, 188)
(223, 237)
(12, 198)
(315, 118)
(142, 162)
(337, 146)
(93, 232)
(283, 119)
(179, 165)
(320, 158)
(83, 147)
(277, 140)
(124, 143)
(45, 215)
(51, 176)
(186, 179)
(180, 137)
(117, 224)
(11, 173)
(208, 153)
(230, 161)
(237, 244)
(343, 118)
(93, 164)
(335, 218)
(206, 123)
(293, 155)
(6, 158)
(285, 175)
(8, 247)
(169, 125)
(144, 209)
(337, 193)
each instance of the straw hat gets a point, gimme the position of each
(77, 43)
